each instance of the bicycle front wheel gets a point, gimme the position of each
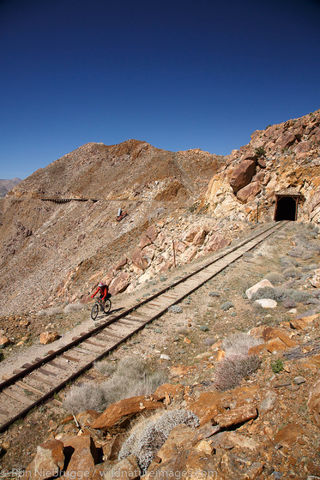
(107, 306)
(94, 311)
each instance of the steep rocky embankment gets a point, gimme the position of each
(280, 157)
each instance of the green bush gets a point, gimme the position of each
(260, 152)
(277, 366)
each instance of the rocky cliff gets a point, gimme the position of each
(280, 157)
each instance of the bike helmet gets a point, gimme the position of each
(101, 284)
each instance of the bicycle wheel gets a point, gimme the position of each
(107, 305)
(94, 311)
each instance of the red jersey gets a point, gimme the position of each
(103, 292)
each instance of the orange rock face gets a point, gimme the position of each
(120, 411)
(236, 416)
(48, 337)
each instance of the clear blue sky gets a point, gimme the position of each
(179, 74)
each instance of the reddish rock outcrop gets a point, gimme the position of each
(242, 174)
(124, 409)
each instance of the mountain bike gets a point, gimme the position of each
(100, 305)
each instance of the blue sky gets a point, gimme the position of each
(178, 74)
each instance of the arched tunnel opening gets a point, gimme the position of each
(286, 208)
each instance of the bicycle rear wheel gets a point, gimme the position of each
(107, 306)
(94, 311)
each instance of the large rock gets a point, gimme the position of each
(262, 284)
(230, 440)
(118, 412)
(206, 407)
(48, 337)
(85, 455)
(120, 283)
(139, 260)
(249, 192)
(47, 463)
(125, 469)
(236, 416)
(314, 403)
(200, 236)
(242, 174)
(216, 242)
(4, 341)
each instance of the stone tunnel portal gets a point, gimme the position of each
(286, 208)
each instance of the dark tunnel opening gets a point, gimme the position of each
(286, 208)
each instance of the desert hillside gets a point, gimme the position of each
(59, 234)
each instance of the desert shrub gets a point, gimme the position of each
(105, 367)
(233, 369)
(87, 396)
(73, 307)
(239, 343)
(147, 437)
(132, 376)
(260, 152)
(277, 366)
(291, 273)
(279, 294)
(275, 277)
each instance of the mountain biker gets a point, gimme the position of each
(104, 292)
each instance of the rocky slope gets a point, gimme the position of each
(59, 234)
(216, 417)
(59, 225)
(280, 157)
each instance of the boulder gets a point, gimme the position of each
(47, 463)
(85, 455)
(216, 242)
(139, 260)
(124, 469)
(302, 323)
(242, 174)
(266, 303)
(228, 440)
(190, 234)
(120, 283)
(200, 237)
(122, 262)
(314, 403)
(152, 233)
(144, 241)
(120, 411)
(262, 284)
(4, 341)
(48, 337)
(167, 389)
(206, 407)
(289, 434)
(285, 140)
(248, 193)
(236, 416)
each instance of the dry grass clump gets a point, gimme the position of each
(73, 307)
(132, 376)
(233, 369)
(239, 344)
(148, 436)
(49, 311)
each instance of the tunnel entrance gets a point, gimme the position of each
(286, 207)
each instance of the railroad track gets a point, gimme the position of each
(38, 380)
